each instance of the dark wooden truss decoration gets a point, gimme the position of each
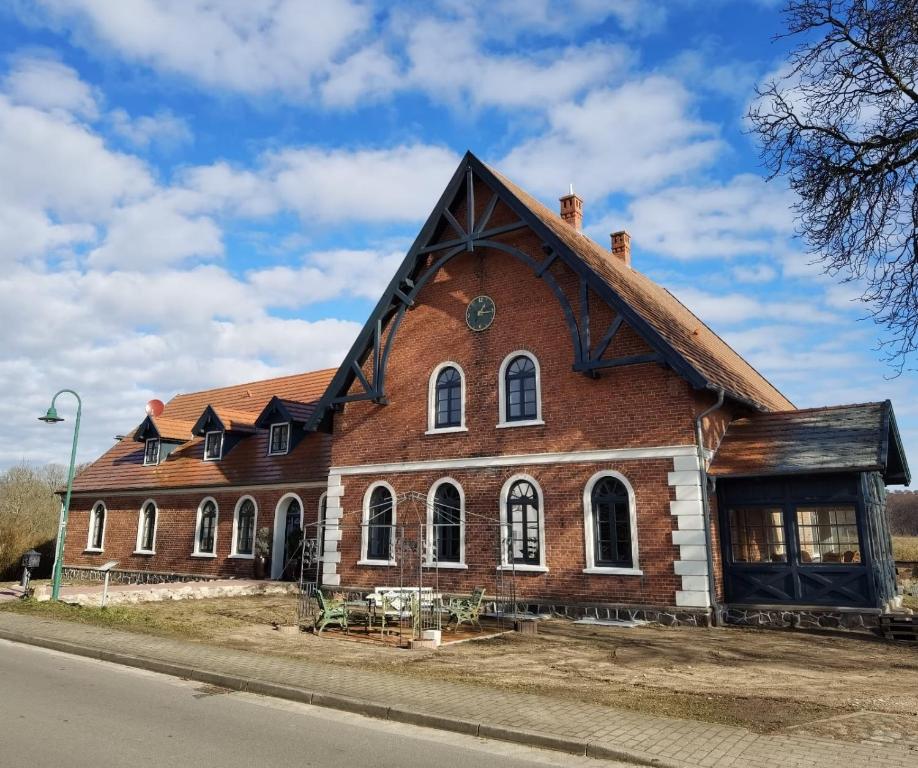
(375, 340)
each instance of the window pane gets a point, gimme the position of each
(447, 521)
(149, 525)
(280, 434)
(379, 522)
(246, 528)
(212, 445)
(524, 545)
(828, 535)
(757, 535)
(520, 385)
(612, 524)
(208, 520)
(151, 456)
(98, 526)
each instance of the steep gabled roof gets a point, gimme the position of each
(170, 430)
(224, 419)
(679, 338)
(837, 438)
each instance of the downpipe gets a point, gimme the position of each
(706, 505)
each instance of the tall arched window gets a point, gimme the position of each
(244, 535)
(523, 524)
(611, 524)
(520, 396)
(146, 535)
(379, 516)
(447, 524)
(448, 399)
(96, 528)
(206, 539)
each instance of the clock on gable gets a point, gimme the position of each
(480, 313)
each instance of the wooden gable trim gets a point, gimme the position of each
(406, 283)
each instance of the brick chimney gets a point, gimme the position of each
(572, 209)
(621, 247)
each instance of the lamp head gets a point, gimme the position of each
(51, 416)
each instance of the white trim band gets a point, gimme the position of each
(526, 459)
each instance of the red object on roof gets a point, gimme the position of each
(155, 408)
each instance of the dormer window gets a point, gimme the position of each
(280, 439)
(213, 446)
(151, 451)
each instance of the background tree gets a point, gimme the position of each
(841, 123)
(29, 511)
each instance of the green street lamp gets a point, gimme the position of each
(51, 417)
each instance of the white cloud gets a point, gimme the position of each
(448, 62)
(731, 308)
(625, 139)
(754, 273)
(251, 47)
(742, 216)
(47, 84)
(163, 128)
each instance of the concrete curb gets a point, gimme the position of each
(347, 704)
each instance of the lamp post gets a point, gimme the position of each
(51, 417)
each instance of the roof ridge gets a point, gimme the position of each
(815, 408)
(253, 383)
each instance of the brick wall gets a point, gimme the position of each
(563, 510)
(175, 530)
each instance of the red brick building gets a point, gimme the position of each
(521, 405)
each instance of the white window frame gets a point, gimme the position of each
(92, 526)
(197, 528)
(431, 496)
(432, 428)
(206, 436)
(159, 451)
(138, 544)
(364, 560)
(235, 540)
(505, 564)
(502, 422)
(271, 438)
(589, 544)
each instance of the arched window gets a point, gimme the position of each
(244, 535)
(446, 399)
(146, 535)
(96, 528)
(447, 524)
(379, 517)
(523, 528)
(449, 398)
(206, 539)
(610, 525)
(520, 396)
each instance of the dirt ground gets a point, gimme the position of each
(767, 680)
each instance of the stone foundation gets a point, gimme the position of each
(132, 577)
(863, 620)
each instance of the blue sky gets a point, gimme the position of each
(201, 193)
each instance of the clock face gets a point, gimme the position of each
(480, 313)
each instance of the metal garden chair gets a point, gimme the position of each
(466, 609)
(331, 611)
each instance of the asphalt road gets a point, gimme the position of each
(66, 711)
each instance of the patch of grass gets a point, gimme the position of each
(905, 547)
(118, 617)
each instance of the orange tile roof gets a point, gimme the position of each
(709, 354)
(246, 463)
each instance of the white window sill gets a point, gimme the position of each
(442, 566)
(213, 458)
(92, 551)
(524, 567)
(377, 562)
(241, 557)
(446, 430)
(610, 571)
(150, 463)
(144, 552)
(204, 554)
(529, 423)
(278, 453)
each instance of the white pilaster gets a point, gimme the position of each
(689, 534)
(333, 514)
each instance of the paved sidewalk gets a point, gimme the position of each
(526, 718)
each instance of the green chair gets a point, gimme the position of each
(466, 609)
(331, 611)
